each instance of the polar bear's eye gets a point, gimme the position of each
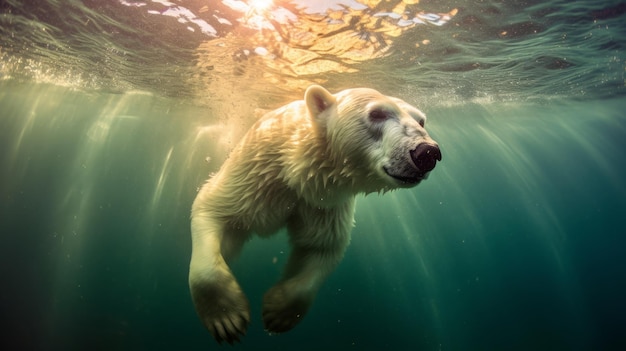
(378, 115)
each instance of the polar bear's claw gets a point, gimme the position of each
(283, 310)
(223, 308)
(228, 328)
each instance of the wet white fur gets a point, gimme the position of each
(299, 166)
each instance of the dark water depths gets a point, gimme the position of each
(515, 242)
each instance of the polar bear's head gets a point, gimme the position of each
(379, 140)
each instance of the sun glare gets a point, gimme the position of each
(260, 5)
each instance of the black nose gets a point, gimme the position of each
(425, 156)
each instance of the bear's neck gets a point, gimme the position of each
(320, 177)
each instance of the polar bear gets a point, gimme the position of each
(299, 167)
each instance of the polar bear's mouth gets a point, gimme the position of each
(412, 179)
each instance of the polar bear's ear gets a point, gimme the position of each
(318, 100)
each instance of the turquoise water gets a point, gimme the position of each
(515, 242)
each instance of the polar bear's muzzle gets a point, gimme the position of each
(412, 167)
(425, 157)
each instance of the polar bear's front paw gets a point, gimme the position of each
(223, 308)
(283, 308)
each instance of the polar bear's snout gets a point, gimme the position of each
(425, 157)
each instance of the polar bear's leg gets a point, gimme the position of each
(319, 238)
(218, 298)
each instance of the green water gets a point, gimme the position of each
(515, 242)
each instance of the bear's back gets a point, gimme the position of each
(250, 190)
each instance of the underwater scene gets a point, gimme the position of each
(114, 113)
